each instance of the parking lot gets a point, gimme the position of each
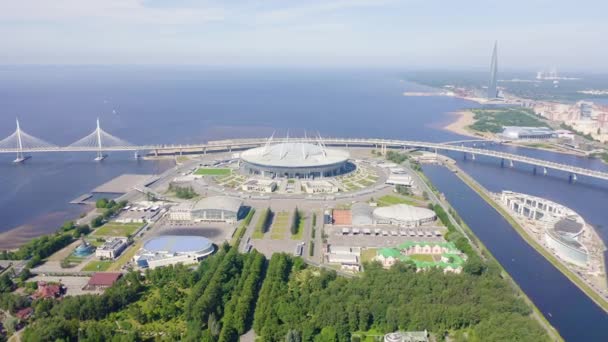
(381, 236)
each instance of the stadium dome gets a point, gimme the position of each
(295, 160)
(403, 215)
(173, 249)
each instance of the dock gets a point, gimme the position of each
(82, 199)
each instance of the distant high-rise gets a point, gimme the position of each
(492, 90)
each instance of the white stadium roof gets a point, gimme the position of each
(403, 212)
(294, 155)
(219, 203)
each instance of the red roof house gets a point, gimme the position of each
(102, 280)
(47, 290)
(24, 313)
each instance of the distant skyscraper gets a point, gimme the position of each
(492, 90)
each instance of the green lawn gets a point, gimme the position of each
(280, 225)
(392, 199)
(97, 266)
(298, 235)
(207, 171)
(423, 257)
(127, 255)
(368, 255)
(117, 229)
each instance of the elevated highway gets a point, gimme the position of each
(381, 144)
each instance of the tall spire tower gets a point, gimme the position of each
(492, 90)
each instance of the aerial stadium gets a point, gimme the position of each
(295, 160)
(403, 215)
(173, 249)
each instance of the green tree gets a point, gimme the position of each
(101, 203)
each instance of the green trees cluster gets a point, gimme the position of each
(264, 221)
(396, 157)
(183, 192)
(6, 284)
(62, 319)
(315, 305)
(220, 304)
(284, 300)
(39, 248)
(295, 221)
(493, 120)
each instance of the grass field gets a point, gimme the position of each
(298, 235)
(368, 255)
(423, 257)
(392, 199)
(117, 229)
(125, 256)
(97, 266)
(236, 239)
(206, 171)
(280, 225)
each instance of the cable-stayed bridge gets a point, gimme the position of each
(101, 142)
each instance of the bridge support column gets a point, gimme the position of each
(534, 171)
(572, 178)
(472, 156)
(136, 155)
(230, 148)
(204, 150)
(544, 170)
(511, 163)
(156, 152)
(502, 162)
(180, 152)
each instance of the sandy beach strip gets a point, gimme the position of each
(462, 120)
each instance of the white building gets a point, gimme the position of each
(319, 186)
(527, 133)
(209, 209)
(259, 185)
(112, 248)
(403, 215)
(400, 179)
(171, 250)
(562, 227)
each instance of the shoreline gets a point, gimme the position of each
(465, 118)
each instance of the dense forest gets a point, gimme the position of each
(230, 293)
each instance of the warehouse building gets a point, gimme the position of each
(209, 209)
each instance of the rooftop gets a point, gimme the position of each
(403, 212)
(219, 203)
(294, 155)
(173, 244)
(104, 278)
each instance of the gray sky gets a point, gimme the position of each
(409, 33)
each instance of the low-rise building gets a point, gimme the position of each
(259, 185)
(443, 255)
(319, 186)
(111, 248)
(403, 215)
(209, 209)
(527, 133)
(407, 336)
(347, 257)
(400, 179)
(102, 280)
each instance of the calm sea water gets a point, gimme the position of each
(186, 105)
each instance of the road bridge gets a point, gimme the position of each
(100, 142)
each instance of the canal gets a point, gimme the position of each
(566, 307)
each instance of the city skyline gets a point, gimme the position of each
(533, 35)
